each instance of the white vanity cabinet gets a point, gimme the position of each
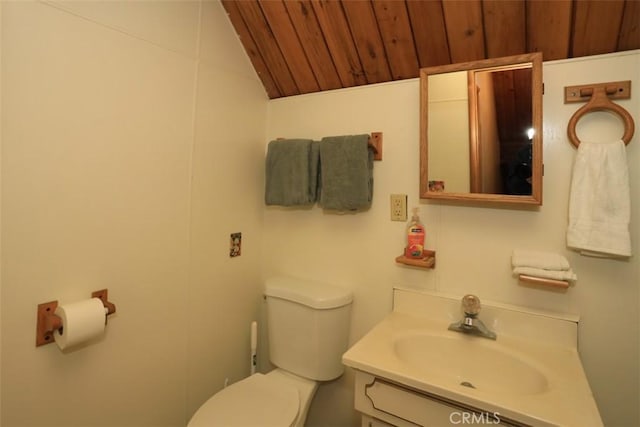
(411, 370)
(384, 403)
(368, 421)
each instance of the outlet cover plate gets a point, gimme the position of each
(235, 248)
(398, 203)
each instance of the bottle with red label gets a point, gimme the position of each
(415, 237)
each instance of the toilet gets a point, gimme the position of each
(308, 330)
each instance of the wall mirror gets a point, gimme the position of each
(481, 130)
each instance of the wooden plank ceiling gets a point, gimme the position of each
(304, 46)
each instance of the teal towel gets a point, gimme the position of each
(346, 173)
(291, 172)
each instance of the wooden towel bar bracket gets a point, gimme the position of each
(582, 93)
(598, 97)
(375, 142)
(47, 322)
(103, 295)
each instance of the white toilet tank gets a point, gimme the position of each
(308, 326)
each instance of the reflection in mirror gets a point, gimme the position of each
(481, 130)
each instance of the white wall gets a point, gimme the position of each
(473, 242)
(132, 146)
(1, 133)
(227, 197)
(126, 164)
(449, 121)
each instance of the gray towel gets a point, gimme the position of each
(291, 172)
(346, 176)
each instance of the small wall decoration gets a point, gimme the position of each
(437, 186)
(235, 245)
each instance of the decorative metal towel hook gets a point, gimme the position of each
(599, 99)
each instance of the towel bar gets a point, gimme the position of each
(543, 281)
(599, 99)
(375, 142)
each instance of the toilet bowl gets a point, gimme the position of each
(277, 399)
(307, 324)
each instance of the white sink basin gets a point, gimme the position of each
(468, 361)
(530, 374)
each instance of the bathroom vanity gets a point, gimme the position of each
(411, 370)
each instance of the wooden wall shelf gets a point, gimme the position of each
(428, 260)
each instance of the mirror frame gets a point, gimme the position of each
(535, 59)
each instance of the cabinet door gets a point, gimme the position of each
(400, 406)
(368, 421)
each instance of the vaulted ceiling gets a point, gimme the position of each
(304, 46)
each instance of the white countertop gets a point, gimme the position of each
(544, 341)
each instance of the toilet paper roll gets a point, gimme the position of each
(81, 321)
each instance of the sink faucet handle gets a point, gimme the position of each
(471, 305)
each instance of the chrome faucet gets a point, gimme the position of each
(471, 324)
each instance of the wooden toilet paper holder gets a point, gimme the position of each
(48, 321)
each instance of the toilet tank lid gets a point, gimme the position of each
(312, 294)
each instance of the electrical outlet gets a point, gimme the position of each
(235, 245)
(398, 207)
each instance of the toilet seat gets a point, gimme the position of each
(254, 401)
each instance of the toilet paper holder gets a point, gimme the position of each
(48, 322)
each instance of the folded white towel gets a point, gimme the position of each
(599, 203)
(538, 259)
(547, 274)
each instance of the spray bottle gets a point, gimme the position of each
(415, 237)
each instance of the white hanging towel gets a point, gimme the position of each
(599, 201)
